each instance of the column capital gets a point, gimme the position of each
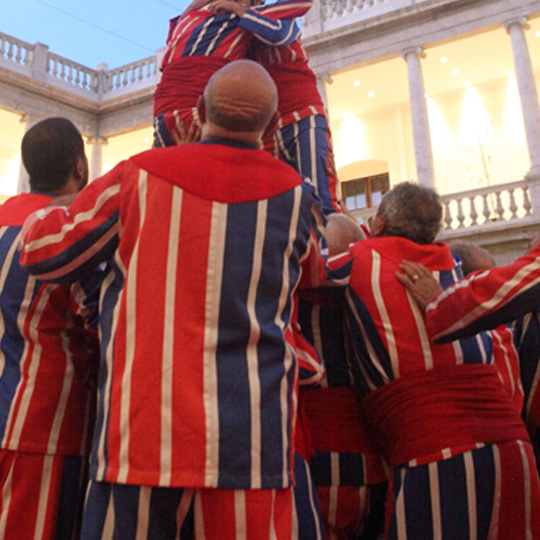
(521, 21)
(418, 51)
(324, 78)
(29, 119)
(97, 140)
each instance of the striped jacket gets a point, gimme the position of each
(486, 299)
(206, 244)
(48, 356)
(201, 33)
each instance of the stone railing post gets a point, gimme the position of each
(419, 116)
(40, 58)
(102, 78)
(312, 22)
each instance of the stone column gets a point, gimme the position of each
(527, 91)
(321, 86)
(23, 185)
(419, 117)
(96, 156)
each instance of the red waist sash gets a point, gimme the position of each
(421, 414)
(336, 420)
(183, 81)
(297, 87)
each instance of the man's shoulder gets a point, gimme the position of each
(219, 172)
(17, 208)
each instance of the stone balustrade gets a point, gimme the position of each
(15, 50)
(471, 210)
(72, 73)
(59, 71)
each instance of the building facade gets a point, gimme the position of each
(443, 92)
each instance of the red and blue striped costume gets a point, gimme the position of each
(348, 473)
(48, 375)
(462, 464)
(199, 371)
(302, 137)
(199, 43)
(527, 334)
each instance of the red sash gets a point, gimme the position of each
(183, 81)
(336, 420)
(421, 414)
(297, 87)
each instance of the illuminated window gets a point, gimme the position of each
(365, 192)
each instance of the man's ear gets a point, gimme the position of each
(80, 171)
(378, 227)
(201, 109)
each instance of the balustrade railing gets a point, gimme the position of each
(470, 209)
(503, 202)
(72, 73)
(130, 74)
(15, 50)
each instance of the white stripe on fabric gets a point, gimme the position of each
(46, 475)
(312, 504)
(209, 50)
(64, 393)
(6, 267)
(401, 517)
(471, 494)
(425, 342)
(109, 523)
(186, 501)
(387, 323)
(30, 366)
(495, 515)
(288, 359)
(143, 512)
(130, 289)
(240, 514)
(526, 492)
(214, 277)
(313, 174)
(251, 352)
(198, 516)
(7, 490)
(333, 494)
(57, 238)
(108, 362)
(201, 35)
(233, 45)
(434, 489)
(167, 366)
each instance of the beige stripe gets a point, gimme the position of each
(387, 324)
(198, 516)
(288, 358)
(33, 366)
(421, 327)
(401, 521)
(494, 525)
(168, 339)
(131, 331)
(471, 494)
(143, 512)
(41, 516)
(240, 514)
(108, 360)
(186, 501)
(251, 353)
(108, 525)
(213, 297)
(527, 492)
(435, 501)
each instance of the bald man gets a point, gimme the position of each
(206, 244)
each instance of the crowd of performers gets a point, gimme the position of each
(200, 344)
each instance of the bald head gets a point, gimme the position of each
(341, 231)
(240, 97)
(472, 257)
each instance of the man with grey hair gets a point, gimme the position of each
(439, 413)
